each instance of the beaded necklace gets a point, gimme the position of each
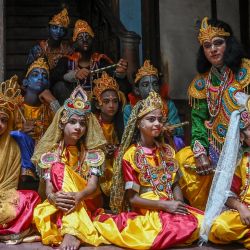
(157, 183)
(247, 181)
(215, 105)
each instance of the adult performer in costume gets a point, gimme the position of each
(68, 158)
(227, 212)
(77, 67)
(214, 93)
(108, 103)
(145, 170)
(16, 206)
(54, 47)
(147, 79)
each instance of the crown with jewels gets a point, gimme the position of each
(10, 94)
(151, 103)
(146, 70)
(39, 63)
(77, 104)
(207, 31)
(61, 19)
(105, 82)
(80, 27)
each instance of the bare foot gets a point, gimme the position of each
(70, 242)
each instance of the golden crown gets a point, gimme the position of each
(10, 94)
(151, 103)
(146, 70)
(103, 83)
(39, 63)
(80, 27)
(207, 32)
(61, 19)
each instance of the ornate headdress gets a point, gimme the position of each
(39, 63)
(152, 102)
(61, 19)
(80, 27)
(143, 107)
(207, 31)
(105, 82)
(146, 70)
(77, 104)
(10, 94)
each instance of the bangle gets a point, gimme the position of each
(55, 105)
(198, 149)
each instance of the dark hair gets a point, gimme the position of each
(233, 54)
(118, 118)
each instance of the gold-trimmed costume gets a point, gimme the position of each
(16, 207)
(69, 168)
(228, 227)
(149, 172)
(41, 116)
(212, 96)
(106, 82)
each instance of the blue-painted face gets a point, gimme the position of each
(37, 80)
(84, 41)
(57, 32)
(148, 84)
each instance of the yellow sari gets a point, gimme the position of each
(16, 207)
(51, 222)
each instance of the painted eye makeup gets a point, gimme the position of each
(154, 118)
(216, 43)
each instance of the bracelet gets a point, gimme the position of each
(198, 149)
(54, 105)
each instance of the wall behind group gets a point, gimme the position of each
(178, 38)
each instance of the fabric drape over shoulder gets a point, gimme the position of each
(10, 159)
(93, 139)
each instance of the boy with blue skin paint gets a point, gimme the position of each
(147, 80)
(77, 68)
(53, 48)
(35, 114)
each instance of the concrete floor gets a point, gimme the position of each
(38, 246)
